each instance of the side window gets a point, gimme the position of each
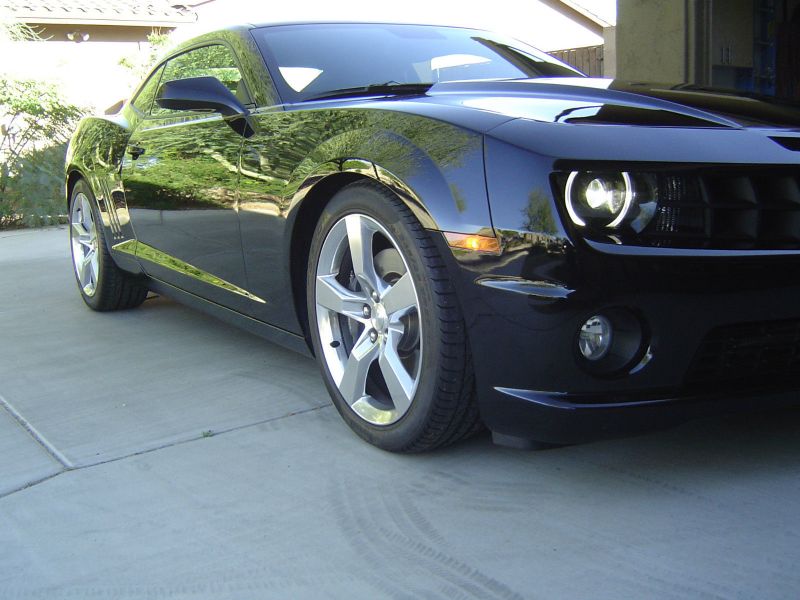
(144, 99)
(208, 61)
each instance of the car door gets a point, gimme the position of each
(181, 172)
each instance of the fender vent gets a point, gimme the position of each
(790, 143)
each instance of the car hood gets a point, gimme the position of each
(604, 101)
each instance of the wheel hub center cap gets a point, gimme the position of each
(380, 320)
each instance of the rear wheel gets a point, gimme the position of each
(103, 285)
(385, 324)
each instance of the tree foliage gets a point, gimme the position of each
(140, 63)
(35, 124)
(12, 31)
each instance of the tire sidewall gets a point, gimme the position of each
(380, 205)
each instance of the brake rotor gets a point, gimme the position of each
(389, 265)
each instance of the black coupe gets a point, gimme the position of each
(464, 231)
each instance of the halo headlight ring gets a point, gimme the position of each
(618, 219)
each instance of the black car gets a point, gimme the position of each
(464, 231)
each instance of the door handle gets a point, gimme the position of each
(135, 151)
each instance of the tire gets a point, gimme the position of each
(386, 326)
(102, 285)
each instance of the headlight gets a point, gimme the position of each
(610, 200)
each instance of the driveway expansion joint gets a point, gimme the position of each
(31, 484)
(34, 433)
(69, 466)
(204, 435)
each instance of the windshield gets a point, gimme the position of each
(309, 61)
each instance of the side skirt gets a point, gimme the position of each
(273, 334)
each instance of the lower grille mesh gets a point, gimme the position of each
(750, 353)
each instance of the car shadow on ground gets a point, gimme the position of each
(723, 445)
(722, 449)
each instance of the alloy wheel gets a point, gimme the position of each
(368, 319)
(83, 235)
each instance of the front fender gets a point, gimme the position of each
(95, 154)
(437, 168)
(320, 178)
(297, 159)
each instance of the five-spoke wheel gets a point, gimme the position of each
(84, 244)
(385, 324)
(368, 317)
(102, 284)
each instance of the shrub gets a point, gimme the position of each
(35, 124)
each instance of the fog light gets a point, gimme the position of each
(611, 343)
(594, 340)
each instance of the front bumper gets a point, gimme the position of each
(557, 418)
(523, 314)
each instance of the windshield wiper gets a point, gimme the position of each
(377, 89)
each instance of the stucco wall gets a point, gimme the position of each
(651, 40)
(87, 73)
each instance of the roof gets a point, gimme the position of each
(150, 13)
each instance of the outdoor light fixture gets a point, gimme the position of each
(78, 36)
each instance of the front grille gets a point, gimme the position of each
(736, 209)
(762, 354)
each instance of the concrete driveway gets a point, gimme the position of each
(158, 453)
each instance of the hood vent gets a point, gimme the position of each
(790, 143)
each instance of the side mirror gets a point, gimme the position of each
(205, 94)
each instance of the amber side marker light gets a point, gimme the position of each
(475, 243)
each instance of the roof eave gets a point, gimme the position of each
(107, 22)
(578, 14)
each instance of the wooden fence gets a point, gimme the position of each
(588, 60)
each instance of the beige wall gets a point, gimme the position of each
(610, 52)
(87, 73)
(532, 22)
(651, 40)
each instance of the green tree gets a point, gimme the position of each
(35, 124)
(140, 63)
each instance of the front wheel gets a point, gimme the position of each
(103, 285)
(386, 326)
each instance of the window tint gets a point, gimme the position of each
(309, 60)
(144, 99)
(208, 61)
